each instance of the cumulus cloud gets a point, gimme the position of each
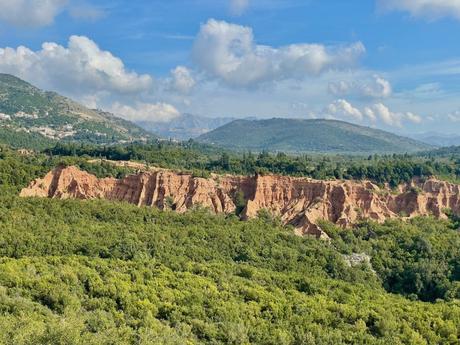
(341, 108)
(237, 7)
(375, 113)
(414, 118)
(381, 112)
(37, 13)
(182, 80)
(229, 52)
(370, 114)
(431, 9)
(375, 87)
(155, 112)
(30, 12)
(81, 68)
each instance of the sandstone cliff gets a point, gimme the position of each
(301, 202)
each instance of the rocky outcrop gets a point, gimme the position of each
(301, 202)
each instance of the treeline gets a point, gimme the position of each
(18, 170)
(392, 169)
(450, 152)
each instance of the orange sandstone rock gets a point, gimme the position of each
(301, 202)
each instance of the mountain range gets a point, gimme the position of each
(33, 118)
(184, 126)
(438, 139)
(319, 135)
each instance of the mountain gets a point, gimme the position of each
(32, 116)
(185, 126)
(296, 136)
(438, 139)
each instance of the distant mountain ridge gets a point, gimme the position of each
(28, 112)
(438, 139)
(318, 135)
(184, 126)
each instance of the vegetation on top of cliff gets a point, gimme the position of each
(18, 170)
(299, 136)
(392, 169)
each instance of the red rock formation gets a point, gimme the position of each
(301, 202)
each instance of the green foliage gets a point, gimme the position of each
(419, 259)
(17, 171)
(20, 139)
(96, 272)
(201, 159)
(240, 202)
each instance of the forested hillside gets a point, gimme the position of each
(300, 136)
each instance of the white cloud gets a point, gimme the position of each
(155, 112)
(370, 114)
(30, 12)
(375, 113)
(228, 52)
(431, 9)
(37, 13)
(381, 112)
(375, 87)
(238, 7)
(182, 79)
(414, 118)
(380, 88)
(342, 108)
(81, 68)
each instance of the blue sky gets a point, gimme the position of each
(391, 64)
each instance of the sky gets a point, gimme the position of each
(389, 64)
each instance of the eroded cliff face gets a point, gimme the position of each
(301, 202)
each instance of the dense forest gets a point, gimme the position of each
(201, 159)
(90, 272)
(98, 272)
